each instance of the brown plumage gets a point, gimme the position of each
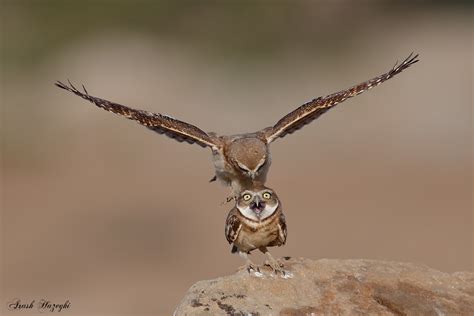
(240, 161)
(246, 238)
(256, 222)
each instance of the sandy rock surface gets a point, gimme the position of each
(334, 287)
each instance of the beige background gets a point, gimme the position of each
(120, 220)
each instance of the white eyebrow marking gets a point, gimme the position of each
(260, 163)
(242, 166)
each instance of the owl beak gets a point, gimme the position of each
(257, 206)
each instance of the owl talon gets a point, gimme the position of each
(287, 275)
(251, 267)
(275, 264)
(276, 268)
(229, 199)
(283, 273)
(214, 178)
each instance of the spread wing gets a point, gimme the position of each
(310, 111)
(162, 124)
(232, 228)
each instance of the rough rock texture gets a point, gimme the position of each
(335, 287)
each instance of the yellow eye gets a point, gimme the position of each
(267, 195)
(247, 197)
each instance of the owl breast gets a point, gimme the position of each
(253, 237)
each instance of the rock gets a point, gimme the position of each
(335, 287)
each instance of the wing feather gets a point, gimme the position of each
(282, 231)
(162, 124)
(232, 228)
(310, 111)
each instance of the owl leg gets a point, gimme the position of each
(272, 262)
(235, 188)
(249, 264)
(233, 194)
(229, 199)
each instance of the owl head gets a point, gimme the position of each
(257, 203)
(248, 155)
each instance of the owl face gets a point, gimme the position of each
(257, 204)
(248, 156)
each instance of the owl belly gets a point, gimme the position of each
(252, 238)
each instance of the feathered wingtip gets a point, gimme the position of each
(71, 88)
(410, 60)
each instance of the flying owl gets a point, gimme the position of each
(256, 222)
(240, 161)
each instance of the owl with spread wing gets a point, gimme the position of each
(240, 161)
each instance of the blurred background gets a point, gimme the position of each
(122, 221)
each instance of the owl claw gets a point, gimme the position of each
(229, 199)
(287, 275)
(277, 263)
(276, 266)
(284, 274)
(255, 269)
(251, 267)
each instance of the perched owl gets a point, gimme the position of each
(240, 161)
(256, 222)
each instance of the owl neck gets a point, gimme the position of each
(266, 213)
